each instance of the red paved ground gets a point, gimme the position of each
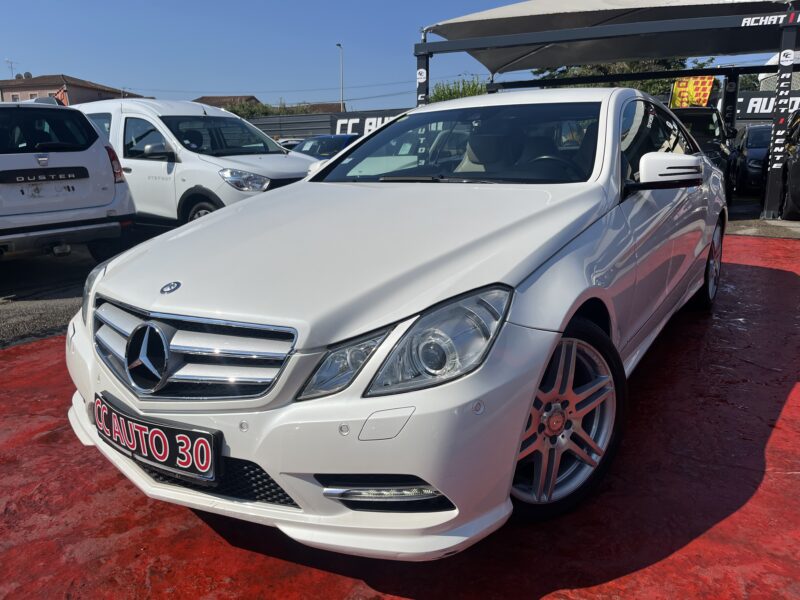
(702, 501)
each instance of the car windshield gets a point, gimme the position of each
(24, 130)
(526, 143)
(324, 147)
(220, 136)
(703, 126)
(758, 138)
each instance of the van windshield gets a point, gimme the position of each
(220, 136)
(528, 143)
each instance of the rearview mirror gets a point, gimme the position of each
(159, 151)
(316, 166)
(666, 170)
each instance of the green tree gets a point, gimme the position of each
(250, 110)
(748, 83)
(654, 87)
(461, 88)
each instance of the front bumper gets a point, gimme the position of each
(462, 438)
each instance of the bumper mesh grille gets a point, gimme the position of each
(240, 480)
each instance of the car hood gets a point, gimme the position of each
(274, 166)
(335, 260)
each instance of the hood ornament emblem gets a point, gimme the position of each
(170, 287)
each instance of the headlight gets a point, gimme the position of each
(91, 279)
(244, 181)
(446, 342)
(754, 163)
(340, 366)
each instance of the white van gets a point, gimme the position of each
(60, 184)
(183, 159)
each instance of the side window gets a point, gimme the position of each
(635, 137)
(644, 129)
(138, 134)
(668, 135)
(102, 121)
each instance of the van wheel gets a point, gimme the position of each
(200, 209)
(102, 250)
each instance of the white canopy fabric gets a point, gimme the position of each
(554, 15)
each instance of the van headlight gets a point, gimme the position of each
(94, 276)
(244, 181)
(446, 342)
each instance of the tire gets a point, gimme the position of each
(705, 296)
(791, 208)
(200, 209)
(563, 416)
(102, 250)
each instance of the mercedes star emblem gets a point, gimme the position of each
(146, 358)
(170, 287)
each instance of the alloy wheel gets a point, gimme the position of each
(714, 263)
(570, 425)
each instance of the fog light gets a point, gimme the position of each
(387, 494)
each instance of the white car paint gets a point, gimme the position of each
(37, 215)
(162, 187)
(333, 261)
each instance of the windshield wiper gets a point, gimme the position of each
(430, 179)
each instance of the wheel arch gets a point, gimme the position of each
(593, 277)
(194, 194)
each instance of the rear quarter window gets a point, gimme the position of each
(25, 130)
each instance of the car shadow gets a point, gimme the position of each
(705, 400)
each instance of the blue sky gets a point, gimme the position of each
(274, 49)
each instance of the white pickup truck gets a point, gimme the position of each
(60, 183)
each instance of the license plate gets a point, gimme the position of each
(165, 446)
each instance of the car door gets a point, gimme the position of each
(648, 213)
(151, 178)
(687, 219)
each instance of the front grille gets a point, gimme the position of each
(240, 480)
(206, 359)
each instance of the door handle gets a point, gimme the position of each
(126, 169)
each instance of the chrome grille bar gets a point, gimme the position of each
(209, 359)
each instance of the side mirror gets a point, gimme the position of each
(666, 170)
(316, 166)
(160, 151)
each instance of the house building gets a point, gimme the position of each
(67, 89)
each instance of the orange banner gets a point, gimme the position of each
(691, 91)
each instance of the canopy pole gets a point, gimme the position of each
(773, 197)
(730, 95)
(423, 68)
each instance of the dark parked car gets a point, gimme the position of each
(791, 181)
(749, 156)
(325, 146)
(707, 127)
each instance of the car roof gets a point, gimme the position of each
(156, 108)
(562, 95)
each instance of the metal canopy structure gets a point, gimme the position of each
(553, 33)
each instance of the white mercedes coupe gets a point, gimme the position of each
(431, 330)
